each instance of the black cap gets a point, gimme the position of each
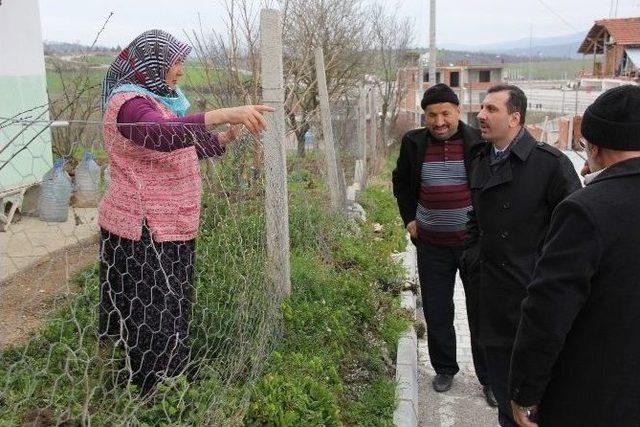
(613, 120)
(439, 93)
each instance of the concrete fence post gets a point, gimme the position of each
(374, 129)
(331, 159)
(362, 135)
(276, 197)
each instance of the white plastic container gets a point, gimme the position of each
(87, 182)
(55, 192)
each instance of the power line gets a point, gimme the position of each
(558, 15)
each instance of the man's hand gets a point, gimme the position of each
(522, 417)
(412, 228)
(585, 169)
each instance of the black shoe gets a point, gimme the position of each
(442, 382)
(488, 395)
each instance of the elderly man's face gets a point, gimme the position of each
(442, 119)
(592, 155)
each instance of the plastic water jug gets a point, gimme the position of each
(106, 178)
(87, 182)
(55, 192)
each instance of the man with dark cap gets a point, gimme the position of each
(515, 182)
(576, 359)
(431, 186)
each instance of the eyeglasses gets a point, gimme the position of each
(583, 143)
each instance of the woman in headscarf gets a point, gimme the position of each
(149, 215)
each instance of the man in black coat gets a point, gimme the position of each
(431, 186)
(516, 182)
(576, 359)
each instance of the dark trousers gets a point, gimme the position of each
(437, 266)
(498, 362)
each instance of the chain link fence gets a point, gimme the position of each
(142, 330)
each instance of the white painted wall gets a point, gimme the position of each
(21, 51)
(26, 152)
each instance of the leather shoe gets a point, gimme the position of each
(489, 396)
(442, 382)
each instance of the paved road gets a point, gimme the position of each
(464, 404)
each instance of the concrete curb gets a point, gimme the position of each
(406, 413)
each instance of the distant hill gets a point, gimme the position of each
(64, 48)
(515, 56)
(565, 46)
(473, 58)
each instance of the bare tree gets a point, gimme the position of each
(228, 71)
(391, 37)
(339, 27)
(78, 100)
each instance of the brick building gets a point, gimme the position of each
(615, 47)
(470, 82)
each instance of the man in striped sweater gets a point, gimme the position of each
(431, 186)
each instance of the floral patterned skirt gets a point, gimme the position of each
(146, 294)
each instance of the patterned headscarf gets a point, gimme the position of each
(145, 63)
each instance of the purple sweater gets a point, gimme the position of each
(140, 122)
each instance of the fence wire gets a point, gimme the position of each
(141, 330)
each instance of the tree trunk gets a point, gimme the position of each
(301, 147)
(383, 127)
(304, 127)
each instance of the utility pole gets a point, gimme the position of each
(530, 53)
(611, 9)
(433, 52)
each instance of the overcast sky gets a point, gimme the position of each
(468, 22)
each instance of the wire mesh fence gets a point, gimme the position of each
(106, 323)
(144, 329)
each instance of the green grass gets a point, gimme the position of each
(55, 80)
(340, 320)
(102, 59)
(63, 361)
(549, 70)
(328, 367)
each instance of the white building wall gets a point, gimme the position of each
(26, 151)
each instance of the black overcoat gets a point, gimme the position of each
(512, 209)
(578, 345)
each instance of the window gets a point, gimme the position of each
(455, 79)
(485, 76)
(426, 76)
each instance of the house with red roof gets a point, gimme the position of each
(615, 47)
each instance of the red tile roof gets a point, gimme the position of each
(625, 31)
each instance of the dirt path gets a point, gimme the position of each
(28, 297)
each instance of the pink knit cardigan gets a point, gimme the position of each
(162, 187)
